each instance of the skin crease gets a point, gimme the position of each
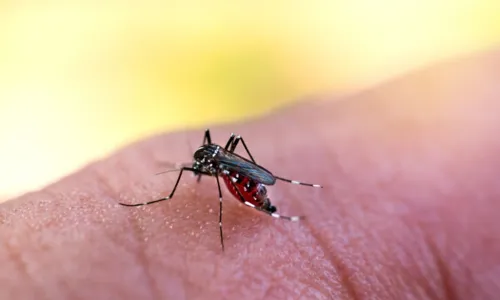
(409, 209)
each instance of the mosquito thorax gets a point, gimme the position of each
(204, 158)
(206, 153)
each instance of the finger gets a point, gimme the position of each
(395, 217)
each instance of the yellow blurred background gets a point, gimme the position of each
(80, 79)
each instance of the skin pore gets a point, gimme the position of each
(409, 209)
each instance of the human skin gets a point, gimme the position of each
(409, 208)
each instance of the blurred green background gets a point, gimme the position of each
(79, 79)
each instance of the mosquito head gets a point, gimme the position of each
(200, 155)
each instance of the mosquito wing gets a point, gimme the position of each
(233, 162)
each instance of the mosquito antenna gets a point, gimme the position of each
(179, 167)
(167, 171)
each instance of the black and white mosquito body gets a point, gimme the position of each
(244, 178)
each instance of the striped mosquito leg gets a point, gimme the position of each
(146, 203)
(220, 213)
(229, 141)
(207, 139)
(165, 198)
(275, 215)
(237, 139)
(298, 182)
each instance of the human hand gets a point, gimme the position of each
(409, 209)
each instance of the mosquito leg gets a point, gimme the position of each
(272, 214)
(298, 182)
(165, 198)
(207, 139)
(229, 142)
(275, 215)
(220, 212)
(237, 139)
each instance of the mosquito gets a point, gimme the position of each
(243, 177)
